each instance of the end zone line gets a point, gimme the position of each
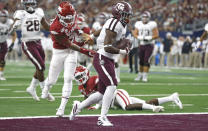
(95, 115)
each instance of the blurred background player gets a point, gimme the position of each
(30, 20)
(89, 85)
(147, 31)
(64, 33)
(112, 31)
(5, 25)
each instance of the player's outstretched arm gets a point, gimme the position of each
(45, 24)
(203, 36)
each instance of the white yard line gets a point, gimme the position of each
(5, 89)
(95, 115)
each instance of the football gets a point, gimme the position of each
(122, 44)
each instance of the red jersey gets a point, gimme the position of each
(56, 28)
(90, 86)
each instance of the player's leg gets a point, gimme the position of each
(172, 98)
(106, 71)
(147, 57)
(123, 98)
(56, 65)
(139, 104)
(77, 106)
(141, 63)
(117, 68)
(69, 70)
(31, 51)
(3, 52)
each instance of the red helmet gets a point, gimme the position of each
(81, 75)
(67, 14)
(122, 11)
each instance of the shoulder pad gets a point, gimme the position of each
(40, 12)
(19, 14)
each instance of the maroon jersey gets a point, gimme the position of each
(90, 86)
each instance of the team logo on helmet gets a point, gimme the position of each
(67, 14)
(81, 75)
(122, 11)
(29, 5)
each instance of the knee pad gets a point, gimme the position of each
(66, 90)
(2, 63)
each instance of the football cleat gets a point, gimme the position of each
(158, 108)
(75, 111)
(139, 77)
(2, 78)
(50, 97)
(144, 79)
(45, 93)
(176, 100)
(60, 113)
(33, 93)
(103, 121)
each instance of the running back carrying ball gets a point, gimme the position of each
(122, 44)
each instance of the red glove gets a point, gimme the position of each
(87, 52)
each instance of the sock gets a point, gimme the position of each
(66, 93)
(64, 101)
(140, 74)
(147, 106)
(164, 99)
(117, 70)
(34, 83)
(42, 84)
(107, 98)
(144, 75)
(1, 73)
(92, 99)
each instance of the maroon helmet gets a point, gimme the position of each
(122, 11)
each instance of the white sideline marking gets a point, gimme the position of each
(78, 96)
(95, 115)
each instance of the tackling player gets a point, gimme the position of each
(147, 31)
(5, 24)
(30, 20)
(63, 32)
(89, 85)
(112, 31)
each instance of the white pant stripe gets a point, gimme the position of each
(30, 55)
(106, 73)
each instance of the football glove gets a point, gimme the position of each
(87, 52)
(11, 47)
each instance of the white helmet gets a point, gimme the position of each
(3, 15)
(29, 5)
(146, 17)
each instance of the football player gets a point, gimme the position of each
(5, 24)
(205, 33)
(147, 31)
(89, 85)
(63, 32)
(103, 61)
(30, 20)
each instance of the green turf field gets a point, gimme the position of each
(191, 84)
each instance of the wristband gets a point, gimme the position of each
(123, 52)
